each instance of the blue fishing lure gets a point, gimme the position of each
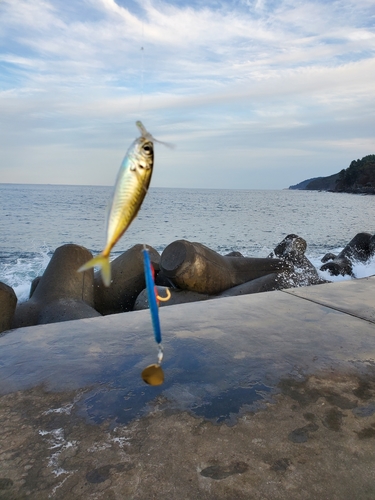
(152, 295)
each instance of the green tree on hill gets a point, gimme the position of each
(359, 177)
(360, 174)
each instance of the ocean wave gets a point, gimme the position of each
(18, 271)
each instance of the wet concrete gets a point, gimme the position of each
(356, 297)
(267, 396)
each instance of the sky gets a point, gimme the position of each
(254, 94)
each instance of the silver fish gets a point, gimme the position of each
(130, 190)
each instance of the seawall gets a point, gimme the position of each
(266, 396)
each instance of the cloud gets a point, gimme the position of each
(229, 82)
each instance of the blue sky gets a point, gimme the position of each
(255, 94)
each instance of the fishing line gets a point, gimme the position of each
(140, 106)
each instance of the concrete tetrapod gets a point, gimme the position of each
(266, 283)
(62, 293)
(292, 249)
(359, 249)
(177, 297)
(8, 302)
(195, 267)
(128, 280)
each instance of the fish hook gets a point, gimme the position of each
(163, 299)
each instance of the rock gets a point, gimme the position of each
(339, 266)
(266, 283)
(8, 302)
(177, 297)
(195, 267)
(128, 281)
(358, 249)
(292, 250)
(62, 293)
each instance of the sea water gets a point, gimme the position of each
(36, 219)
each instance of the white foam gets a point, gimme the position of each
(64, 409)
(56, 441)
(19, 273)
(364, 270)
(360, 269)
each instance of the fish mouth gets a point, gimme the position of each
(143, 131)
(148, 136)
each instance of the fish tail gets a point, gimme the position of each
(103, 263)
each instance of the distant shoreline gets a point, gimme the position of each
(366, 191)
(358, 178)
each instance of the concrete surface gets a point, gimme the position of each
(266, 396)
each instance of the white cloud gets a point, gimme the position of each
(220, 80)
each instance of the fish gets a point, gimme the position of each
(130, 189)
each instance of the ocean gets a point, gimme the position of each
(36, 219)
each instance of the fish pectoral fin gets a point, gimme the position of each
(103, 263)
(164, 299)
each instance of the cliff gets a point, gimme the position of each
(359, 177)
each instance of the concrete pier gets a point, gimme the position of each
(266, 396)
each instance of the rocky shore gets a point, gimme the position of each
(192, 272)
(358, 178)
